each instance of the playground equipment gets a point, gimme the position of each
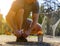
(53, 22)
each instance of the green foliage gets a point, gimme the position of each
(30, 17)
(41, 16)
(41, 8)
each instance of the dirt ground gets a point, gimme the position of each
(11, 38)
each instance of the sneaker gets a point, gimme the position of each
(21, 39)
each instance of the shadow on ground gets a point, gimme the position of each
(29, 43)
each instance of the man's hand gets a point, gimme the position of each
(26, 33)
(18, 33)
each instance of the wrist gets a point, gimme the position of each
(33, 26)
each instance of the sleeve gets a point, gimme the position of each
(35, 8)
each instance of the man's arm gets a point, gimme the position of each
(35, 20)
(35, 14)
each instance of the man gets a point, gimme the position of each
(20, 23)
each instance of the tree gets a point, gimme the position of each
(41, 15)
(1, 18)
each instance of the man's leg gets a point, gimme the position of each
(23, 36)
(15, 21)
(19, 18)
(10, 20)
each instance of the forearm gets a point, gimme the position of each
(35, 20)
